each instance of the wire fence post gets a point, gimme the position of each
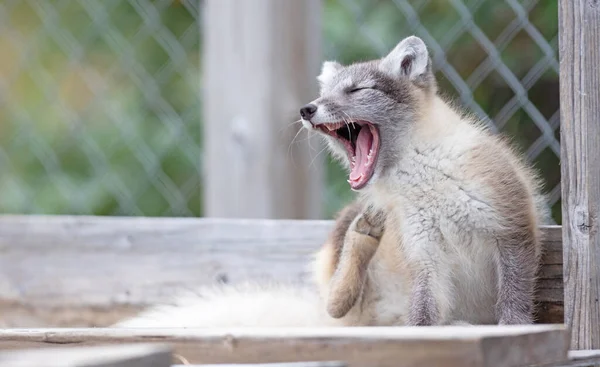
(261, 58)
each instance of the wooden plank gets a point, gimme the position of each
(579, 29)
(93, 271)
(135, 355)
(381, 346)
(578, 358)
(257, 52)
(288, 364)
(550, 285)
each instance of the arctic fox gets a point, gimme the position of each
(448, 227)
(445, 228)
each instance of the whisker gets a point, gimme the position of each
(291, 124)
(350, 119)
(303, 140)
(309, 138)
(290, 152)
(313, 160)
(347, 122)
(348, 127)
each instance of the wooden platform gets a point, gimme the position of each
(374, 347)
(130, 355)
(92, 271)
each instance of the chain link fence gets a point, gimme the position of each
(100, 99)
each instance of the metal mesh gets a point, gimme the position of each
(497, 58)
(100, 99)
(99, 107)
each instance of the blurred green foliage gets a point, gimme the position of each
(100, 107)
(101, 114)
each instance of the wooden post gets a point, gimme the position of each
(261, 59)
(579, 27)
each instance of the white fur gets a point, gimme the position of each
(444, 224)
(328, 71)
(244, 305)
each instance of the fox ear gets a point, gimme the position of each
(328, 71)
(409, 59)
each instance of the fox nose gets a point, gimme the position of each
(308, 111)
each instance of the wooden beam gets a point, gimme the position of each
(577, 358)
(134, 355)
(80, 271)
(261, 59)
(283, 364)
(496, 346)
(579, 28)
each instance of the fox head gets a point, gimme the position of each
(365, 109)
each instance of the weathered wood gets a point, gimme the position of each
(134, 355)
(578, 358)
(579, 28)
(93, 271)
(285, 364)
(550, 285)
(261, 61)
(378, 347)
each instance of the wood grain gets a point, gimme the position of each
(550, 285)
(93, 271)
(257, 52)
(132, 355)
(577, 358)
(283, 364)
(579, 29)
(496, 346)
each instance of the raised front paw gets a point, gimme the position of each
(340, 301)
(347, 283)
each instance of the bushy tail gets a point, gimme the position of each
(244, 305)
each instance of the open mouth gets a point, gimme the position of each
(361, 141)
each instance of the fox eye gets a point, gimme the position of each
(354, 90)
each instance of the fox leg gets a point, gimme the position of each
(517, 274)
(359, 246)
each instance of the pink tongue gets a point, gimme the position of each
(363, 145)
